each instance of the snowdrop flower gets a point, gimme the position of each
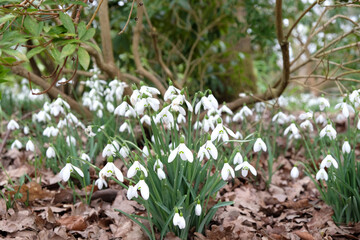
(135, 168)
(85, 157)
(207, 124)
(179, 220)
(148, 90)
(291, 128)
(165, 116)
(146, 119)
(221, 132)
(125, 126)
(198, 125)
(110, 169)
(183, 151)
(42, 116)
(213, 100)
(171, 92)
(16, 144)
(354, 98)
(159, 169)
(181, 119)
(70, 140)
(307, 124)
(89, 132)
(124, 151)
(205, 102)
(358, 125)
(50, 152)
(225, 109)
(245, 167)
(259, 145)
(51, 131)
(100, 182)
(346, 147)
(109, 150)
(100, 113)
(238, 159)
(323, 103)
(294, 172)
(238, 135)
(26, 130)
(226, 171)
(321, 174)
(329, 131)
(307, 115)
(242, 114)
(12, 125)
(198, 208)
(132, 192)
(124, 109)
(144, 189)
(110, 107)
(146, 102)
(280, 118)
(346, 108)
(177, 102)
(208, 149)
(68, 169)
(30, 146)
(145, 151)
(327, 161)
(320, 120)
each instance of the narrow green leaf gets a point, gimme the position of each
(93, 46)
(34, 51)
(67, 50)
(84, 58)
(67, 22)
(6, 18)
(81, 29)
(15, 53)
(88, 35)
(31, 26)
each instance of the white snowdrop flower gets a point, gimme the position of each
(179, 220)
(100, 183)
(26, 130)
(124, 151)
(225, 109)
(50, 152)
(307, 115)
(149, 90)
(144, 189)
(110, 169)
(85, 157)
(238, 159)
(62, 123)
(227, 171)
(16, 144)
(160, 173)
(100, 113)
(89, 132)
(307, 125)
(181, 150)
(245, 167)
(56, 109)
(198, 209)
(181, 119)
(346, 147)
(110, 107)
(221, 132)
(145, 151)
(132, 192)
(282, 101)
(208, 149)
(207, 124)
(242, 114)
(72, 118)
(242, 95)
(61, 102)
(260, 107)
(198, 125)
(125, 127)
(135, 167)
(177, 102)
(280, 118)
(238, 135)
(322, 174)
(329, 131)
(165, 116)
(124, 109)
(30, 146)
(205, 102)
(71, 141)
(259, 145)
(42, 116)
(294, 172)
(228, 119)
(12, 125)
(146, 119)
(109, 150)
(323, 103)
(327, 161)
(213, 100)
(50, 131)
(320, 120)
(291, 118)
(171, 92)
(143, 103)
(291, 128)
(346, 108)
(67, 170)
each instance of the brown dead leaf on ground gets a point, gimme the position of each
(304, 235)
(31, 192)
(18, 221)
(73, 223)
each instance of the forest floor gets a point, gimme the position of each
(286, 209)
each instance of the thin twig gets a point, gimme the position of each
(129, 17)
(94, 15)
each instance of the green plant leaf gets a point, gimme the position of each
(89, 34)
(6, 18)
(94, 46)
(15, 53)
(31, 26)
(34, 51)
(84, 58)
(81, 29)
(67, 22)
(67, 50)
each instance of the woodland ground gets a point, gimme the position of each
(287, 209)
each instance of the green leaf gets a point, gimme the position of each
(31, 26)
(81, 29)
(89, 34)
(67, 22)
(93, 46)
(84, 58)
(67, 50)
(6, 18)
(15, 53)
(34, 51)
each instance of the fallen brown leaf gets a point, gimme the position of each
(73, 223)
(304, 235)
